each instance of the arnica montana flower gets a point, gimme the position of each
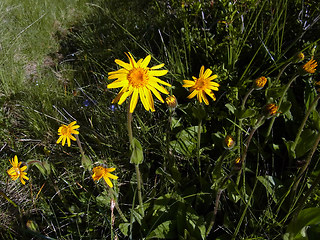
(299, 57)
(202, 86)
(172, 101)
(66, 132)
(310, 67)
(259, 83)
(229, 142)
(138, 80)
(99, 172)
(271, 109)
(16, 171)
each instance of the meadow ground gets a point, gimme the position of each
(212, 134)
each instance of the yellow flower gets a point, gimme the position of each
(172, 101)
(136, 79)
(16, 171)
(259, 83)
(299, 56)
(202, 86)
(99, 172)
(65, 133)
(229, 142)
(310, 67)
(271, 109)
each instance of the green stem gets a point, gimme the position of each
(244, 154)
(240, 120)
(198, 145)
(313, 104)
(305, 197)
(305, 166)
(215, 210)
(279, 105)
(79, 145)
(139, 189)
(130, 134)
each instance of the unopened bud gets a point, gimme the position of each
(259, 83)
(172, 101)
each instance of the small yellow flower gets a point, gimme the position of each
(16, 171)
(136, 79)
(229, 142)
(172, 101)
(259, 83)
(237, 164)
(310, 67)
(66, 132)
(202, 86)
(271, 109)
(99, 172)
(300, 56)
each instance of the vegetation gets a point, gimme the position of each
(240, 164)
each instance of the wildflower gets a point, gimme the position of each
(237, 164)
(271, 109)
(299, 57)
(172, 101)
(66, 132)
(259, 83)
(229, 142)
(310, 67)
(202, 86)
(99, 172)
(16, 171)
(138, 80)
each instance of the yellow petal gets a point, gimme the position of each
(145, 62)
(192, 94)
(109, 175)
(108, 181)
(157, 66)
(123, 64)
(133, 101)
(158, 73)
(59, 139)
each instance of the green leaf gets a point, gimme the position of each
(315, 118)
(285, 107)
(270, 183)
(247, 114)
(124, 228)
(137, 152)
(186, 141)
(296, 228)
(305, 142)
(231, 108)
(164, 230)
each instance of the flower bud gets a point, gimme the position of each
(270, 109)
(237, 164)
(229, 142)
(172, 101)
(298, 57)
(259, 83)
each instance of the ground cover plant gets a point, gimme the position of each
(159, 119)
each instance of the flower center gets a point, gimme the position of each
(65, 131)
(17, 170)
(200, 84)
(138, 77)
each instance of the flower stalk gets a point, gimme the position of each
(279, 104)
(130, 134)
(312, 106)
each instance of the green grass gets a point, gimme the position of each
(55, 58)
